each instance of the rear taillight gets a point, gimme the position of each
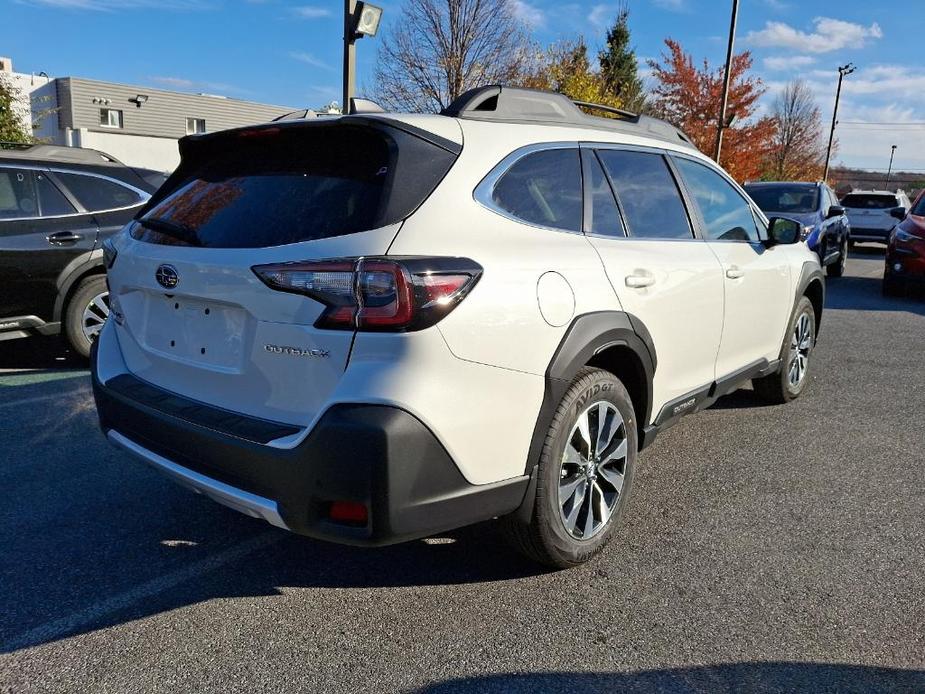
(377, 294)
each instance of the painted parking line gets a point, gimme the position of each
(58, 628)
(28, 378)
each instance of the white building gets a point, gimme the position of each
(139, 126)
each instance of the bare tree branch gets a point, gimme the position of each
(440, 48)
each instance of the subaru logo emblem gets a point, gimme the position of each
(167, 277)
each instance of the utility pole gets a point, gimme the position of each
(722, 125)
(889, 171)
(842, 71)
(350, 54)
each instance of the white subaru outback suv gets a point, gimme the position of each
(379, 327)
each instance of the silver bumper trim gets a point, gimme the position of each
(232, 497)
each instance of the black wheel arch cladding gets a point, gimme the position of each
(589, 335)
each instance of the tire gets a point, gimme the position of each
(837, 269)
(85, 313)
(562, 535)
(789, 381)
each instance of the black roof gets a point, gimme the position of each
(498, 103)
(56, 153)
(79, 159)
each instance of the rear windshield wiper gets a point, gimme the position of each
(172, 229)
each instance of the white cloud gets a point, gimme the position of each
(311, 12)
(828, 35)
(777, 5)
(600, 15)
(309, 59)
(788, 62)
(184, 84)
(531, 15)
(112, 5)
(673, 5)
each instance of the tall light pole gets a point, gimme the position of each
(842, 71)
(360, 19)
(721, 123)
(889, 171)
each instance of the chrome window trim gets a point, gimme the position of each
(484, 191)
(145, 196)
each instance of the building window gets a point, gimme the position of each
(195, 126)
(110, 118)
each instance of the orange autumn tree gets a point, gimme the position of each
(689, 97)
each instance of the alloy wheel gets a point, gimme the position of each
(801, 344)
(95, 314)
(592, 471)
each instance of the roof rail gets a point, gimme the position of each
(518, 105)
(42, 152)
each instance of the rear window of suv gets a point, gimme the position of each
(870, 202)
(276, 186)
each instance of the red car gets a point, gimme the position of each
(905, 251)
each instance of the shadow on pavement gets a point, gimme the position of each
(734, 677)
(39, 353)
(865, 294)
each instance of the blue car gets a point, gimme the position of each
(825, 224)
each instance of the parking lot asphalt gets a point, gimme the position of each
(766, 548)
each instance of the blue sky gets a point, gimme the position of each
(288, 52)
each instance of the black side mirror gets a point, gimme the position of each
(898, 213)
(783, 231)
(835, 211)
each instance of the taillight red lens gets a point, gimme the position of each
(385, 295)
(377, 293)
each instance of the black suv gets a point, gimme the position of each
(57, 205)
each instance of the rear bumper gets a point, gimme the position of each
(380, 456)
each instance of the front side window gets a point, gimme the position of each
(110, 118)
(727, 216)
(650, 198)
(543, 188)
(26, 194)
(195, 126)
(99, 194)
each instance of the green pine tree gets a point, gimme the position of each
(619, 69)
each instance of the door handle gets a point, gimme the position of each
(63, 238)
(639, 281)
(735, 273)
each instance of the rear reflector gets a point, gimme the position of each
(377, 294)
(351, 512)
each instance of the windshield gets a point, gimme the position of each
(292, 185)
(867, 201)
(919, 208)
(785, 198)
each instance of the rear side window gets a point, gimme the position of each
(543, 188)
(26, 194)
(726, 214)
(270, 187)
(648, 193)
(870, 202)
(98, 194)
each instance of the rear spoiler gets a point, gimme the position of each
(196, 149)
